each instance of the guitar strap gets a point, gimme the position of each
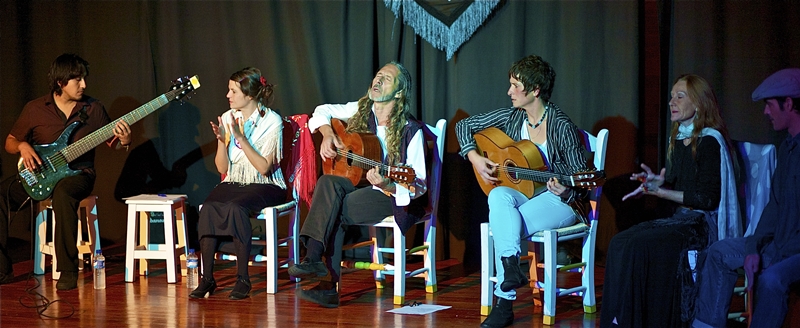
(83, 114)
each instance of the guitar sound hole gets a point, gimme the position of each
(511, 170)
(349, 158)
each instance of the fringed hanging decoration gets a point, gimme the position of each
(445, 24)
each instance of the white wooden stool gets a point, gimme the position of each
(174, 209)
(87, 215)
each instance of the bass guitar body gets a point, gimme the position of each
(54, 166)
(357, 145)
(501, 149)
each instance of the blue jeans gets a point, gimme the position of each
(718, 277)
(513, 216)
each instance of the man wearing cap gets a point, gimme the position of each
(771, 256)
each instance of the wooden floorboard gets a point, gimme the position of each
(151, 302)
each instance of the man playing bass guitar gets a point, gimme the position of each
(337, 203)
(42, 121)
(513, 215)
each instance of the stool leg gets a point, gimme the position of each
(144, 239)
(56, 273)
(130, 245)
(169, 241)
(40, 242)
(183, 247)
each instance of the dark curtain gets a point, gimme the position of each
(327, 52)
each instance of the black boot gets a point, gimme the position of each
(513, 277)
(502, 315)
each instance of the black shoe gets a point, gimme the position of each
(513, 277)
(6, 278)
(241, 290)
(502, 315)
(328, 298)
(205, 289)
(308, 269)
(68, 280)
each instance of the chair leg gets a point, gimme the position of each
(399, 266)
(294, 246)
(272, 251)
(550, 270)
(487, 269)
(587, 276)
(430, 257)
(377, 257)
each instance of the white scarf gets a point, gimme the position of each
(265, 135)
(728, 224)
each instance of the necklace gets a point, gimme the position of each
(537, 123)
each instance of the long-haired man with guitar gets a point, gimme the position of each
(42, 121)
(513, 214)
(382, 116)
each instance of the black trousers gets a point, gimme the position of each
(67, 195)
(225, 221)
(335, 205)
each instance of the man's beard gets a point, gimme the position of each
(383, 98)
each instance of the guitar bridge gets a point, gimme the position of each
(29, 177)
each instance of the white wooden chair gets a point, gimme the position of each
(398, 250)
(759, 165)
(550, 239)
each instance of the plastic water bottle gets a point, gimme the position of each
(191, 270)
(99, 265)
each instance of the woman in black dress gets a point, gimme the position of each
(648, 279)
(248, 156)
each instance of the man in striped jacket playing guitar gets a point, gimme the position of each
(512, 214)
(338, 201)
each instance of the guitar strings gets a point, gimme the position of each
(361, 161)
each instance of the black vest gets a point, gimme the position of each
(406, 216)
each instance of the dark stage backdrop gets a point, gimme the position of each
(327, 52)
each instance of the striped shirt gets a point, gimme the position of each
(564, 148)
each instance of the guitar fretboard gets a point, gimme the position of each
(100, 135)
(534, 175)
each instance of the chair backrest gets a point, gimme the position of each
(758, 164)
(435, 135)
(598, 146)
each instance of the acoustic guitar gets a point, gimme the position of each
(363, 152)
(522, 166)
(56, 156)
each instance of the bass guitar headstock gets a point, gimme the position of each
(182, 86)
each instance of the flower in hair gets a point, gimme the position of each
(263, 81)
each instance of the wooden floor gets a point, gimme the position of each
(152, 302)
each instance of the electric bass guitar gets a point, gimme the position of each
(522, 166)
(363, 152)
(56, 156)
